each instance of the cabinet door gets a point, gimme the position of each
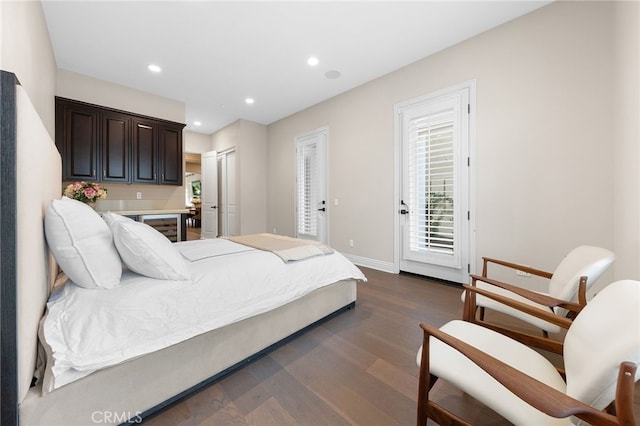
(170, 155)
(145, 141)
(80, 141)
(116, 147)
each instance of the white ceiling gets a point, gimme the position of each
(214, 54)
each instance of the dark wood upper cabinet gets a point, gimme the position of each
(145, 151)
(103, 144)
(116, 147)
(170, 155)
(77, 140)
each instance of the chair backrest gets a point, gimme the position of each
(582, 261)
(603, 335)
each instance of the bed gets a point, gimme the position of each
(136, 382)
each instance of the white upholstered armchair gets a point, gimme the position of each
(601, 355)
(546, 309)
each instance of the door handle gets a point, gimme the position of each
(322, 210)
(403, 211)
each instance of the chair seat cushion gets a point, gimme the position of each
(453, 367)
(497, 306)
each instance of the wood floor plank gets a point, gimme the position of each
(359, 410)
(394, 377)
(331, 371)
(270, 412)
(300, 402)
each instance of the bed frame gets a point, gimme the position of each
(30, 170)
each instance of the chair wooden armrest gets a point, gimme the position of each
(543, 342)
(523, 268)
(547, 316)
(532, 391)
(542, 299)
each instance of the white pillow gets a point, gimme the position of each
(82, 244)
(145, 250)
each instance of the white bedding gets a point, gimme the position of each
(85, 330)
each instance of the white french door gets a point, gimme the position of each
(311, 186)
(434, 219)
(227, 205)
(209, 204)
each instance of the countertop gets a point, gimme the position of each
(145, 212)
(139, 207)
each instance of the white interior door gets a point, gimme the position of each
(311, 186)
(209, 204)
(434, 213)
(227, 205)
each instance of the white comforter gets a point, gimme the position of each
(85, 330)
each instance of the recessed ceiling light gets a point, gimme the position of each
(249, 101)
(332, 75)
(154, 68)
(313, 61)
(197, 123)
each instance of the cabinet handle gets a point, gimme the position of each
(154, 176)
(104, 173)
(163, 176)
(94, 173)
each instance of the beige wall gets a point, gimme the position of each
(87, 89)
(196, 142)
(544, 169)
(100, 92)
(25, 49)
(249, 140)
(252, 156)
(626, 139)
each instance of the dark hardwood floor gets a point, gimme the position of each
(355, 369)
(193, 233)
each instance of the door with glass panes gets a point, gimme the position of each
(311, 186)
(433, 210)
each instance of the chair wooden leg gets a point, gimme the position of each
(424, 382)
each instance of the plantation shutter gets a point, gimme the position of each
(432, 182)
(307, 198)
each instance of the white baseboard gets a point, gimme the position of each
(371, 263)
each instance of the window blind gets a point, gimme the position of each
(307, 199)
(431, 183)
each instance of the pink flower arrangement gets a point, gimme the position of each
(87, 192)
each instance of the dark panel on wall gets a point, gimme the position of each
(8, 266)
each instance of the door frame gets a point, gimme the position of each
(324, 132)
(397, 175)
